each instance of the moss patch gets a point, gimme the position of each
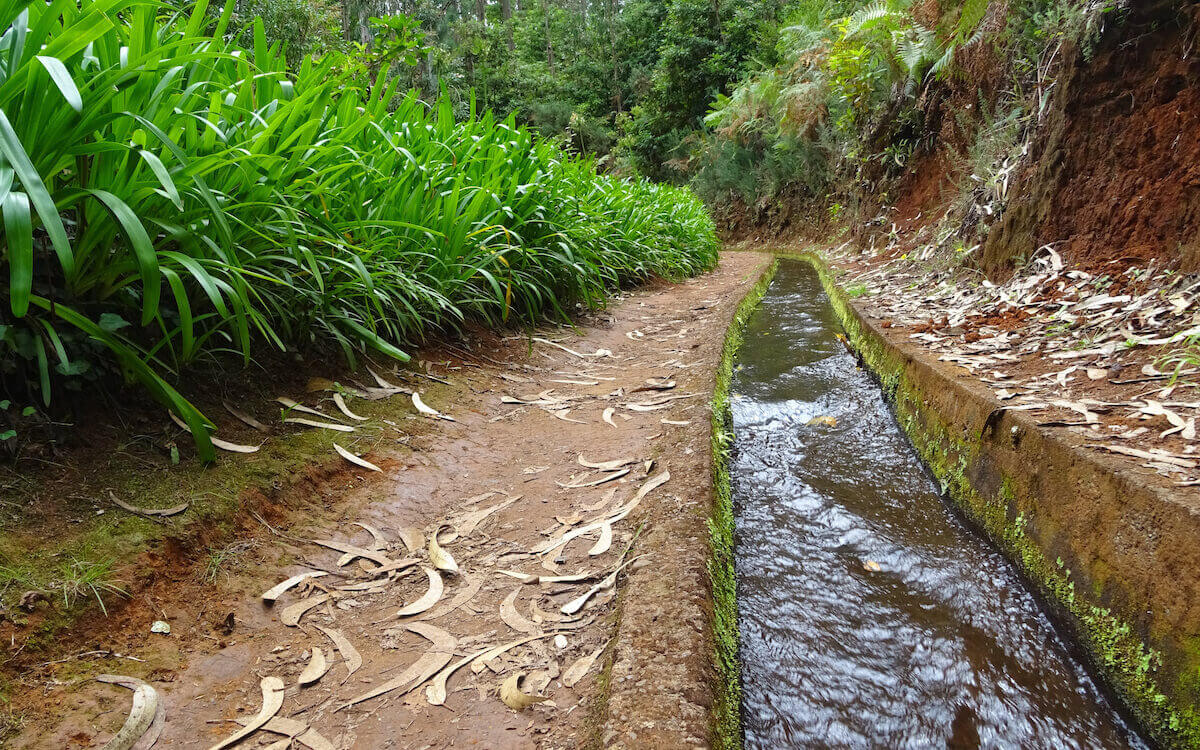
(727, 708)
(1164, 704)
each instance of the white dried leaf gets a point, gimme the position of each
(440, 558)
(341, 405)
(428, 599)
(345, 648)
(513, 618)
(315, 669)
(291, 615)
(580, 667)
(429, 664)
(276, 591)
(146, 715)
(355, 459)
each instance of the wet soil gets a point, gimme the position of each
(649, 688)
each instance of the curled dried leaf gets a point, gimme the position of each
(440, 558)
(604, 542)
(512, 696)
(272, 701)
(293, 405)
(341, 405)
(315, 669)
(244, 417)
(595, 482)
(427, 410)
(157, 512)
(429, 664)
(291, 615)
(378, 540)
(579, 669)
(605, 465)
(607, 416)
(146, 715)
(435, 693)
(224, 445)
(345, 648)
(319, 425)
(412, 537)
(355, 459)
(428, 599)
(276, 591)
(468, 588)
(470, 521)
(352, 552)
(513, 618)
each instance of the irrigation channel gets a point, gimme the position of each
(870, 615)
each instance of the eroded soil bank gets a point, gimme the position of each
(631, 385)
(1108, 541)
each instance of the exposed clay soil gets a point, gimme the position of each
(650, 687)
(1116, 173)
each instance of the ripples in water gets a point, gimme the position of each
(942, 646)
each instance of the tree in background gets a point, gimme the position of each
(626, 80)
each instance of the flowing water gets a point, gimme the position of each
(942, 645)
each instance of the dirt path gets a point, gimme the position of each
(511, 459)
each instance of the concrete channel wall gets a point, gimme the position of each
(1114, 554)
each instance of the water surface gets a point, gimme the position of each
(942, 646)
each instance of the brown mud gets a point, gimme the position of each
(651, 686)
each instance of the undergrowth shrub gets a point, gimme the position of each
(169, 196)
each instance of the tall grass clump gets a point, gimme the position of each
(168, 196)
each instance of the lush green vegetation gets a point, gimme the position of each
(627, 80)
(858, 89)
(169, 195)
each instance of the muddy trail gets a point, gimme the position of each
(573, 455)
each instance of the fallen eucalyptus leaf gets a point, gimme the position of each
(608, 415)
(319, 425)
(272, 701)
(513, 618)
(158, 512)
(429, 664)
(276, 591)
(604, 542)
(412, 537)
(604, 465)
(297, 730)
(291, 615)
(428, 599)
(224, 445)
(341, 405)
(435, 693)
(315, 669)
(581, 666)
(355, 459)
(512, 696)
(345, 648)
(244, 417)
(468, 589)
(146, 715)
(595, 482)
(441, 559)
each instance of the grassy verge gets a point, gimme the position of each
(727, 707)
